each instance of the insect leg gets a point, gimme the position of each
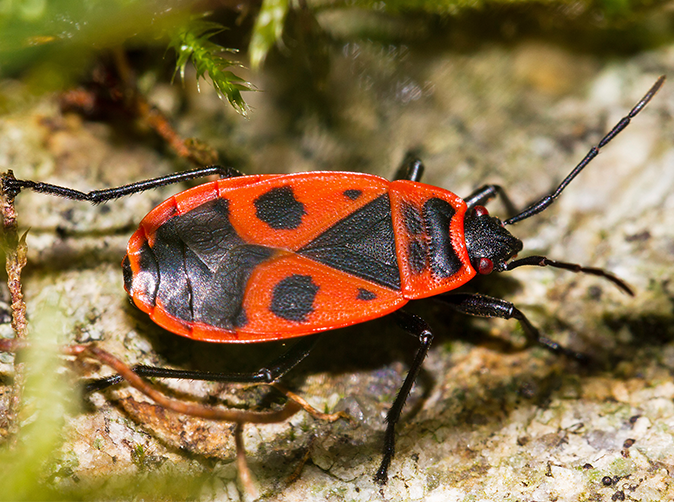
(270, 373)
(11, 186)
(415, 326)
(485, 193)
(411, 169)
(487, 306)
(482, 195)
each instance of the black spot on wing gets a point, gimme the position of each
(437, 215)
(279, 208)
(204, 266)
(352, 193)
(293, 298)
(361, 244)
(365, 295)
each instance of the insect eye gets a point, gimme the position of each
(486, 266)
(481, 211)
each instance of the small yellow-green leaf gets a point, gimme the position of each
(267, 30)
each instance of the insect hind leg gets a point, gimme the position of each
(268, 374)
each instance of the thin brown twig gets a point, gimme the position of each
(294, 404)
(295, 475)
(114, 90)
(137, 103)
(15, 250)
(191, 409)
(328, 417)
(245, 475)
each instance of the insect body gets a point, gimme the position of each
(256, 258)
(268, 257)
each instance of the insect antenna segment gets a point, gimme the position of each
(546, 201)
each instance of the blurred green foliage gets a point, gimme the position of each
(607, 7)
(267, 30)
(47, 402)
(51, 44)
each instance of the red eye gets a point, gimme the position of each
(481, 211)
(485, 266)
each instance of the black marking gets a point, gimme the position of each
(293, 298)
(412, 219)
(417, 256)
(128, 274)
(204, 266)
(147, 279)
(241, 319)
(279, 208)
(444, 261)
(221, 298)
(174, 291)
(361, 244)
(365, 295)
(352, 193)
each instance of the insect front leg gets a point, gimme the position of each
(415, 326)
(487, 306)
(12, 186)
(484, 194)
(412, 169)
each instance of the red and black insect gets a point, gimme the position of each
(256, 258)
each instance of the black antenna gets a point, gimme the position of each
(542, 261)
(542, 204)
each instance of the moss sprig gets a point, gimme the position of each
(193, 42)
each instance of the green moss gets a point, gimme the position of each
(193, 43)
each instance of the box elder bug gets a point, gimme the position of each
(266, 257)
